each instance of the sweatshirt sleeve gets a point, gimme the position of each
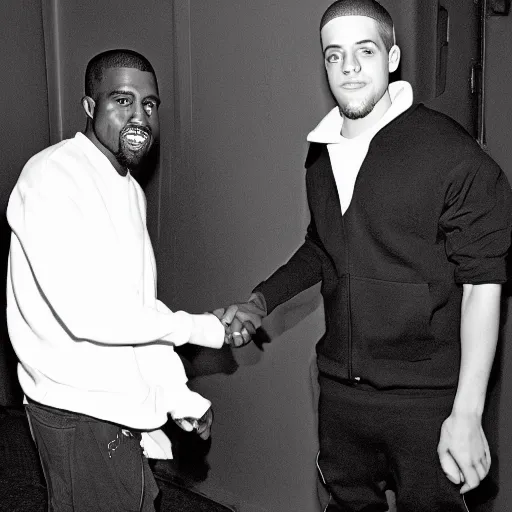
(80, 280)
(162, 367)
(476, 222)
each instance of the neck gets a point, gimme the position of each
(354, 127)
(89, 133)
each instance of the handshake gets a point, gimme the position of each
(241, 321)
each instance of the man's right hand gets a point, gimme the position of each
(241, 320)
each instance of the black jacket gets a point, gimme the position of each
(430, 211)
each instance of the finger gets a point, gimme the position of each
(205, 435)
(184, 424)
(471, 479)
(238, 339)
(487, 452)
(249, 316)
(204, 432)
(219, 313)
(235, 326)
(248, 331)
(481, 469)
(236, 332)
(229, 314)
(450, 467)
(249, 328)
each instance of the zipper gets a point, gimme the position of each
(465, 504)
(349, 322)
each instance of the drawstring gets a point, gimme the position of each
(143, 482)
(323, 480)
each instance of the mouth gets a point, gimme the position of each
(351, 86)
(136, 138)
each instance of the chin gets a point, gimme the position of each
(357, 111)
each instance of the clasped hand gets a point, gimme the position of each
(241, 320)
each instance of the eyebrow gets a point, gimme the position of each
(363, 41)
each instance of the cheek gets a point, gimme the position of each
(154, 123)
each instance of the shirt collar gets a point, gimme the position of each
(328, 131)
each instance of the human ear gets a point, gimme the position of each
(394, 58)
(88, 105)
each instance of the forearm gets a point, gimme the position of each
(479, 335)
(304, 269)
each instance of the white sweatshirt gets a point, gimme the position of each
(82, 312)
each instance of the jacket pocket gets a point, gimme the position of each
(391, 320)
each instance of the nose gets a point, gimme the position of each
(350, 64)
(138, 114)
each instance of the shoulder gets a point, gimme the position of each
(433, 139)
(54, 170)
(431, 126)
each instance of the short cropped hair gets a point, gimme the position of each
(119, 58)
(368, 8)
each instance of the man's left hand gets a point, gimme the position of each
(202, 426)
(463, 450)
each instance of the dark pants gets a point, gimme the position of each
(90, 464)
(369, 437)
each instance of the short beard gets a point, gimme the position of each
(359, 111)
(130, 159)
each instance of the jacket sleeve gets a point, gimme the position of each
(476, 222)
(81, 281)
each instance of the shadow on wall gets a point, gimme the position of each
(10, 391)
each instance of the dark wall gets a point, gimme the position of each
(24, 115)
(498, 130)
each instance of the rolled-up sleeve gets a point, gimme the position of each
(476, 222)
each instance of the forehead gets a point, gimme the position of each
(348, 30)
(141, 82)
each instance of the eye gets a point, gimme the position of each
(149, 106)
(333, 58)
(123, 101)
(367, 51)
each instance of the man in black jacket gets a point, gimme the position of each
(410, 227)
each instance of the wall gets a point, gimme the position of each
(250, 87)
(499, 129)
(24, 114)
(79, 31)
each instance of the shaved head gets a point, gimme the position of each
(367, 8)
(118, 58)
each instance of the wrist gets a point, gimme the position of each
(258, 300)
(467, 408)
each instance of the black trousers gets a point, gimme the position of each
(372, 440)
(90, 464)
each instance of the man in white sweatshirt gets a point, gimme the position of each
(95, 346)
